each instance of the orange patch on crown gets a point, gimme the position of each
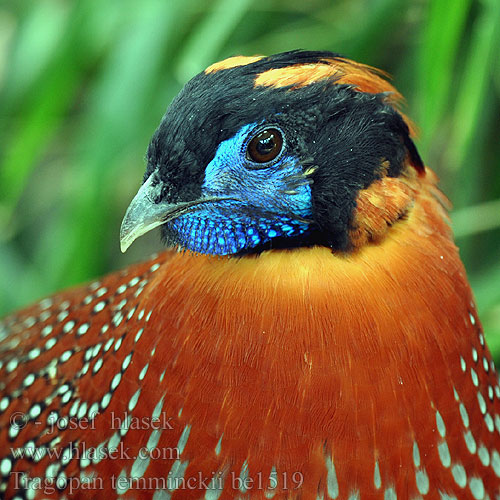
(232, 62)
(298, 75)
(362, 77)
(342, 71)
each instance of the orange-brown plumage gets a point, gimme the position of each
(343, 373)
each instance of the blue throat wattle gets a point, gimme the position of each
(217, 232)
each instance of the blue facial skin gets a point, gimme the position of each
(259, 208)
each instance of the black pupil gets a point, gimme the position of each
(266, 143)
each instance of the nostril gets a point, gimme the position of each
(158, 190)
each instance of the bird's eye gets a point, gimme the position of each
(265, 146)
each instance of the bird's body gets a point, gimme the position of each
(290, 372)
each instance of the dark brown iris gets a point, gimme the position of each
(265, 146)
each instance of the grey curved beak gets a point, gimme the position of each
(143, 214)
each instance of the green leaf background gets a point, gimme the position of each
(83, 85)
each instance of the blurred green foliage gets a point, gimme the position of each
(83, 85)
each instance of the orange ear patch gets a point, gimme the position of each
(381, 205)
(390, 199)
(232, 62)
